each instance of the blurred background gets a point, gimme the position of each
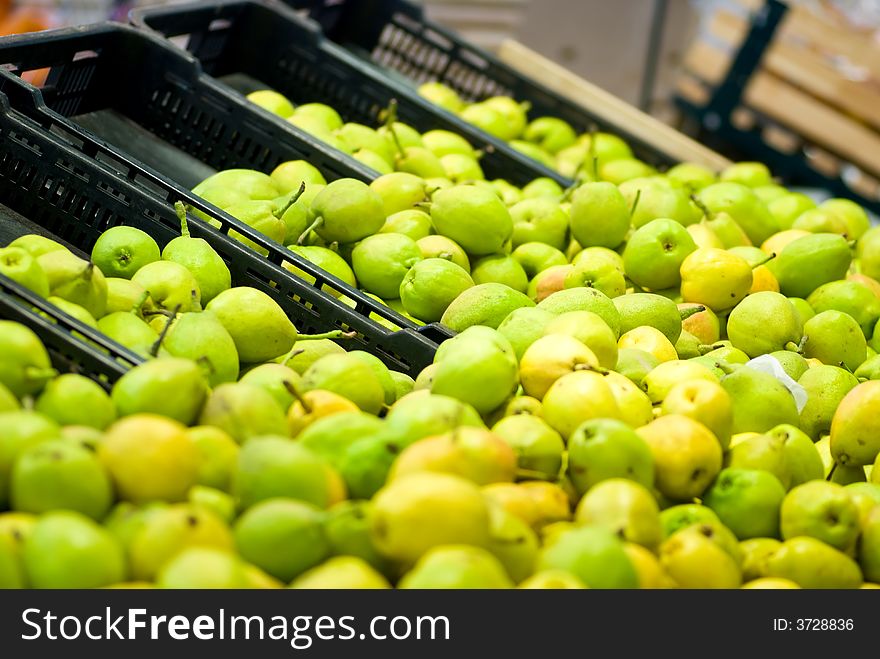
(802, 94)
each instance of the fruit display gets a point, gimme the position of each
(551, 141)
(663, 383)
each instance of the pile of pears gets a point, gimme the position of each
(551, 141)
(394, 146)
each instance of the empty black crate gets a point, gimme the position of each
(75, 187)
(269, 43)
(395, 34)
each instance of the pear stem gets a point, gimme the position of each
(703, 208)
(531, 474)
(305, 234)
(831, 471)
(692, 311)
(635, 202)
(180, 209)
(335, 334)
(767, 260)
(390, 120)
(293, 352)
(142, 300)
(154, 349)
(724, 366)
(294, 197)
(595, 166)
(291, 388)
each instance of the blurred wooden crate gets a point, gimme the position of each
(807, 99)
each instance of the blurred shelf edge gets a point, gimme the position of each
(607, 106)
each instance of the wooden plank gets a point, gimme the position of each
(808, 69)
(608, 107)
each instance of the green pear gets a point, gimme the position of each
(484, 304)
(218, 455)
(461, 168)
(684, 515)
(649, 309)
(477, 367)
(37, 245)
(414, 417)
(144, 389)
(584, 299)
(365, 465)
(278, 523)
(792, 363)
(854, 439)
(539, 220)
(253, 184)
(654, 253)
(22, 267)
(501, 269)
(271, 466)
(592, 554)
(8, 402)
(127, 295)
(599, 214)
(203, 568)
(341, 572)
(869, 369)
(202, 338)
(272, 101)
(534, 152)
(171, 530)
(591, 330)
(121, 251)
(243, 411)
(347, 210)
(537, 257)
(743, 206)
(75, 400)
(635, 364)
(126, 328)
(430, 286)
(400, 191)
(197, 256)
(542, 187)
(347, 527)
(413, 223)
(760, 401)
(324, 113)
(811, 563)
(538, 447)
(747, 502)
(853, 215)
(624, 507)
(443, 248)
(22, 429)
(869, 548)
(755, 552)
(550, 133)
(444, 142)
(820, 220)
(325, 259)
(170, 285)
(410, 515)
(289, 176)
(330, 436)
(75, 280)
(257, 324)
(69, 550)
(357, 136)
(657, 200)
(513, 543)
(349, 377)
(826, 386)
(12, 574)
(802, 460)
(456, 566)
(607, 448)
(835, 338)
(456, 213)
(850, 297)
(382, 261)
(695, 557)
(808, 262)
(692, 175)
(822, 510)
(60, 475)
(275, 379)
(764, 322)
(788, 207)
(603, 277)
(522, 327)
(727, 230)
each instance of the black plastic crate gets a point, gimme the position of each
(104, 361)
(75, 187)
(270, 43)
(396, 35)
